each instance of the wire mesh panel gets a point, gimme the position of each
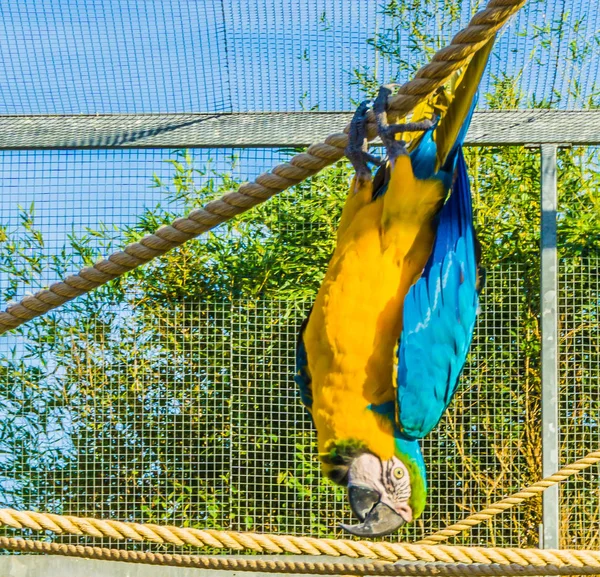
(189, 414)
(124, 56)
(278, 487)
(79, 57)
(62, 209)
(478, 454)
(579, 342)
(580, 396)
(167, 396)
(132, 422)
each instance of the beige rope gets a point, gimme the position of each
(422, 560)
(482, 28)
(504, 504)
(239, 541)
(455, 560)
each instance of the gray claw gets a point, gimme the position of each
(357, 150)
(387, 132)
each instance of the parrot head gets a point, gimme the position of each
(384, 494)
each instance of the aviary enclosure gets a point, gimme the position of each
(167, 396)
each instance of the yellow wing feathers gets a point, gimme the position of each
(408, 205)
(462, 90)
(452, 103)
(361, 193)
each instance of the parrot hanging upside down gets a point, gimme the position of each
(379, 357)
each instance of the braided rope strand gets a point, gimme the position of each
(417, 559)
(427, 550)
(508, 502)
(481, 29)
(507, 561)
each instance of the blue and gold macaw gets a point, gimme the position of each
(379, 357)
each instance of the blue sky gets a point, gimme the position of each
(126, 56)
(150, 56)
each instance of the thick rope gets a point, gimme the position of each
(482, 28)
(504, 504)
(269, 543)
(457, 560)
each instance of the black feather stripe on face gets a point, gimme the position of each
(400, 488)
(339, 458)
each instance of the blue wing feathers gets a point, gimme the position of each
(424, 156)
(439, 309)
(435, 285)
(439, 316)
(302, 376)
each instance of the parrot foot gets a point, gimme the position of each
(357, 150)
(387, 132)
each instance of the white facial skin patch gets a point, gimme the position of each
(389, 478)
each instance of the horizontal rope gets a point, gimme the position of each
(272, 543)
(432, 76)
(507, 561)
(504, 504)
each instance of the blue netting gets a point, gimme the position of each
(124, 56)
(112, 56)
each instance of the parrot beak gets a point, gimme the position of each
(377, 519)
(362, 500)
(380, 520)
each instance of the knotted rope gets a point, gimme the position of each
(432, 76)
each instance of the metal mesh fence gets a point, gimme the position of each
(118, 56)
(203, 424)
(168, 396)
(123, 56)
(150, 404)
(94, 196)
(579, 399)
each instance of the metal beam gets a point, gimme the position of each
(271, 129)
(549, 314)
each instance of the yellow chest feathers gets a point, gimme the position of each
(353, 331)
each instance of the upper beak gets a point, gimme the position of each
(362, 500)
(377, 518)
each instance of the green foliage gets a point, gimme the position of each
(407, 19)
(185, 364)
(169, 391)
(257, 255)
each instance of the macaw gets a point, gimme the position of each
(379, 357)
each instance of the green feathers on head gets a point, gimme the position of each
(409, 452)
(340, 454)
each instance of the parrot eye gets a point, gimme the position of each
(398, 473)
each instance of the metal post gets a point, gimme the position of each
(549, 318)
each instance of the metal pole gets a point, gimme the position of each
(549, 318)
